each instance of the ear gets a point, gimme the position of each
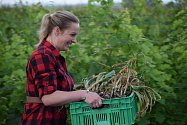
(56, 31)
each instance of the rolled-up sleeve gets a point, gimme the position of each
(43, 73)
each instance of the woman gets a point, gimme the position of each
(49, 86)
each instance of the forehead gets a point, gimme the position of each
(74, 27)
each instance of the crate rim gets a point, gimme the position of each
(110, 99)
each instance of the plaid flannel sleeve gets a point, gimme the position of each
(43, 73)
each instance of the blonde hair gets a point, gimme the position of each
(62, 19)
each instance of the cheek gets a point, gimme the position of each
(61, 41)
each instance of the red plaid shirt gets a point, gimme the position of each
(46, 73)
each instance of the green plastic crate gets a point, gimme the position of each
(117, 111)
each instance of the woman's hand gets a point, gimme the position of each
(93, 99)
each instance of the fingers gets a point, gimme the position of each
(100, 102)
(96, 104)
(94, 100)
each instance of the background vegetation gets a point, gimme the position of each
(153, 32)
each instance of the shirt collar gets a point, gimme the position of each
(50, 46)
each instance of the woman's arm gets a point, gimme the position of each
(58, 98)
(42, 70)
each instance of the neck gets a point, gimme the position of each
(51, 40)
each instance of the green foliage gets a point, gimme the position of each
(150, 31)
(178, 54)
(19, 34)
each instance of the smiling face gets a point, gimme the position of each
(61, 40)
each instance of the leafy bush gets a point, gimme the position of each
(108, 35)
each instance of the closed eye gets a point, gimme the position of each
(73, 35)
